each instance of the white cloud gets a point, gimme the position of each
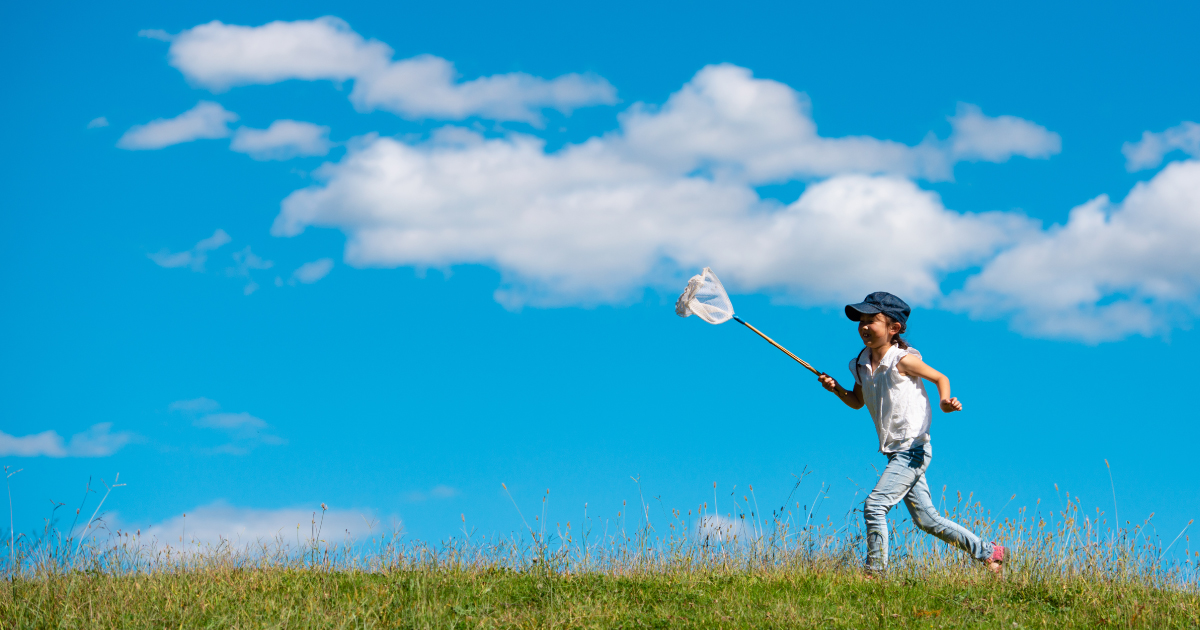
(1150, 150)
(283, 140)
(1114, 269)
(218, 522)
(219, 56)
(193, 258)
(425, 87)
(48, 443)
(97, 441)
(311, 272)
(96, 123)
(981, 138)
(233, 422)
(245, 261)
(206, 120)
(717, 528)
(673, 189)
(734, 126)
(670, 191)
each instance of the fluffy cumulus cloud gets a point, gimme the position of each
(734, 126)
(207, 120)
(672, 189)
(220, 523)
(1150, 150)
(283, 140)
(1113, 269)
(219, 56)
(97, 441)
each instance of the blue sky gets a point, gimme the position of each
(388, 257)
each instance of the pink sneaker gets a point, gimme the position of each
(995, 563)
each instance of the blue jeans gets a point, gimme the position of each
(904, 478)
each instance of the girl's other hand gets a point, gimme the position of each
(827, 382)
(951, 404)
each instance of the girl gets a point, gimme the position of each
(887, 380)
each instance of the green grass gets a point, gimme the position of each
(737, 569)
(446, 598)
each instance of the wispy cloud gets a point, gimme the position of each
(207, 120)
(243, 431)
(245, 262)
(96, 123)
(193, 258)
(201, 404)
(439, 491)
(311, 272)
(97, 441)
(156, 33)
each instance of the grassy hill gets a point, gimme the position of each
(446, 598)
(736, 570)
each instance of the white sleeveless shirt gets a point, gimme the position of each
(899, 405)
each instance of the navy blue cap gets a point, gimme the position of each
(880, 302)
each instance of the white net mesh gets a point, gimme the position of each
(705, 298)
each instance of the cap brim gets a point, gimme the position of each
(856, 311)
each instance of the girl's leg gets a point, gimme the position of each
(903, 471)
(925, 515)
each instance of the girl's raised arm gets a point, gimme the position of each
(911, 365)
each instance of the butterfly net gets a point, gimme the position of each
(705, 298)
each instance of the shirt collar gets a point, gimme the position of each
(864, 357)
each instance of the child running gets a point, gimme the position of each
(887, 380)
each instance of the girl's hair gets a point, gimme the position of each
(897, 340)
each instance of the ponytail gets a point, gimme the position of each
(897, 340)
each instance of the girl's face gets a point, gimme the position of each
(876, 331)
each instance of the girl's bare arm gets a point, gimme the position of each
(853, 399)
(910, 365)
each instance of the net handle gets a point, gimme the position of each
(785, 350)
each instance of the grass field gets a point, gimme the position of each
(694, 569)
(297, 598)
